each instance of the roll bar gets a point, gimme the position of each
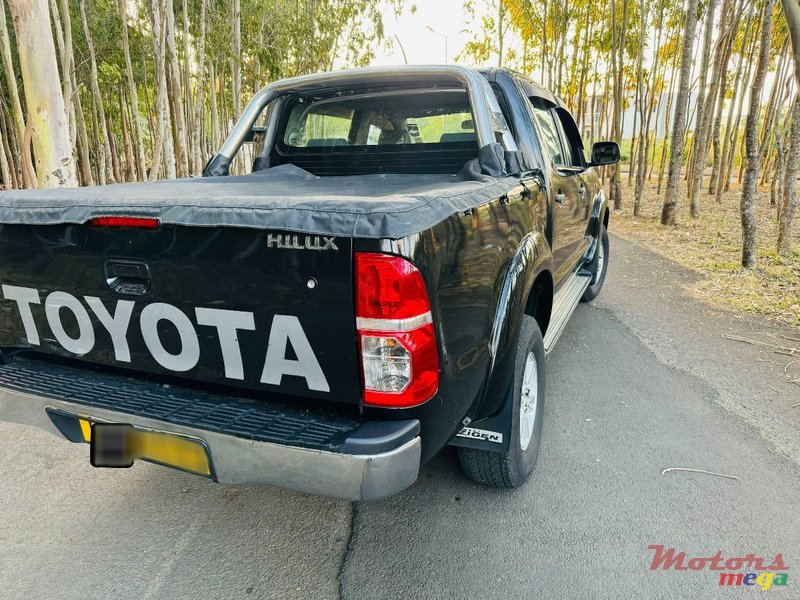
(490, 125)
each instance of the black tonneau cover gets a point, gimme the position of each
(283, 198)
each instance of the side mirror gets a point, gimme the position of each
(605, 153)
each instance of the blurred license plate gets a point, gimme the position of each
(118, 445)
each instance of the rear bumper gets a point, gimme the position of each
(349, 475)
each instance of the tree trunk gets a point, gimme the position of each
(500, 14)
(236, 59)
(5, 168)
(791, 9)
(789, 206)
(641, 98)
(779, 81)
(12, 149)
(133, 95)
(679, 120)
(188, 106)
(665, 145)
(214, 110)
(199, 111)
(8, 132)
(106, 161)
(63, 61)
(752, 147)
(724, 170)
(639, 93)
(736, 144)
(547, 76)
(696, 166)
(163, 137)
(13, 90)
(47, 114)
(584, 69)
(649, 150)
(617, 43)
(127, 143)
(180, 139)
(716, 152)
(782, 148)
(777, 128)
(82, 138)
(116, 167)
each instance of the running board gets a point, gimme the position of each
(564, 303)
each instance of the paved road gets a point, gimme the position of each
(641, 381)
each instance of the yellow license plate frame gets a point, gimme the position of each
(163, 448)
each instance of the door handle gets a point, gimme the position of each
(128, 277)
(560, 197)
(582, 191)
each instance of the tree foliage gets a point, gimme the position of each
(277, 38)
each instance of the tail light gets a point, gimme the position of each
(126, 222)
(399, 360)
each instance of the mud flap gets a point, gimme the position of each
(492, 434)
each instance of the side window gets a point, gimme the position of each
(568, 155)
(571, 137)
(373, 135)
(321, 129)
(548, 131)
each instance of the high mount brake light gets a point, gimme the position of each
(127, 222)
(399, 359)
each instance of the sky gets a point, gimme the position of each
(447, 17)
(423, 47)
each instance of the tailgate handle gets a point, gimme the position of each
(128, 277)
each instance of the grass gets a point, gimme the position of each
(712, 246)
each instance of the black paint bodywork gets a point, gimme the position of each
(484, 269)
(190, 267)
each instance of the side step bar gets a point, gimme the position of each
(564, 303)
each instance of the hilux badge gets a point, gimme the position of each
(300, 242)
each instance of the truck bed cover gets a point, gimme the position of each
(281, 198)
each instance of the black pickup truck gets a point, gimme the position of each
(388, 280)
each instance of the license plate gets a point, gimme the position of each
(119, 445)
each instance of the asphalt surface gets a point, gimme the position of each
(641, 381)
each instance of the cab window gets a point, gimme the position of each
(549, 136)
(570, 137)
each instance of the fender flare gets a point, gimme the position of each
(491, 411)
(596, 217)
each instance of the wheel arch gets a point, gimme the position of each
(599, 214)
(523, 290)
(539, 302)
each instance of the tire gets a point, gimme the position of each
(511, 469)
(599, 268)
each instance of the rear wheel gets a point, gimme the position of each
(511, 469)
(599, 267)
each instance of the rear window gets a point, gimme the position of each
(395, 131)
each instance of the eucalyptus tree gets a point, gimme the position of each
(13, 92)
(46, 129)
(791, 9)
(679, 120)
(752, 146)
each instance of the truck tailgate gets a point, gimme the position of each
(267, 311)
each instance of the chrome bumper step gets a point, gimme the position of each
(249, 442)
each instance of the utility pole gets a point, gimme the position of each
(445, 36)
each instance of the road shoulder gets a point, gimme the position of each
(648, 293)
